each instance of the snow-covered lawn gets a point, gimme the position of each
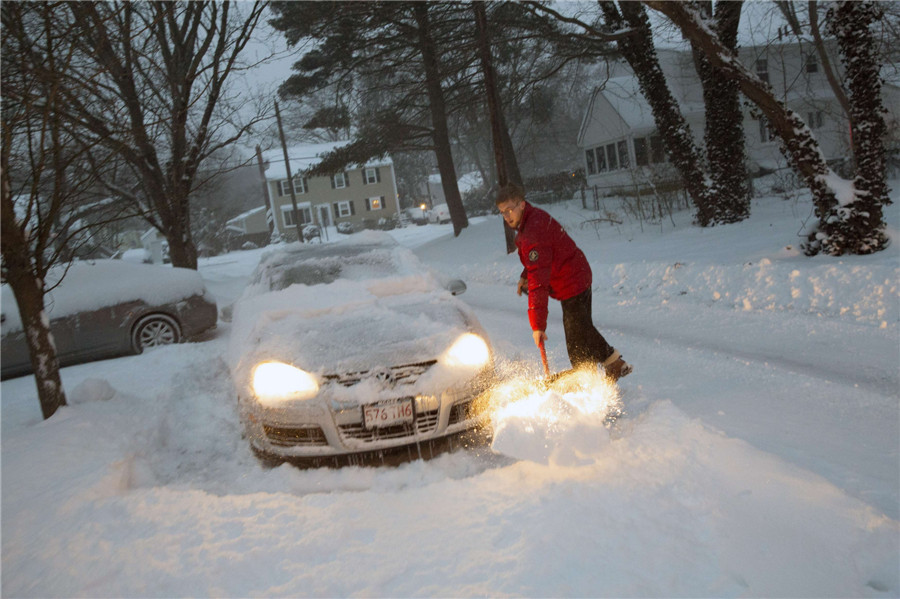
(759, 454)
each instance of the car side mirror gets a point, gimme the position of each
(2, 318)
(456, 287)
(226, 312)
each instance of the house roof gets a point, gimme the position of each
(305, 156)
(624, 97)
(246, 214)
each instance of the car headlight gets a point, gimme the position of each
(275, 383)
(469, 350)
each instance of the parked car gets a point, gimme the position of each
(439, 214)
(354, 352)
(107, 308)
(417, 215)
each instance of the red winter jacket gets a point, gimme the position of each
(554, 266)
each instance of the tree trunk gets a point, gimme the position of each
(840, 212)
(29, 293)
(440, 135)
(504, 156)
(851, 26)
(640, 53)
(724, 134)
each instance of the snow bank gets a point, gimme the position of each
(154, 504)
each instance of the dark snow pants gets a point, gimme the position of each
(584, 342)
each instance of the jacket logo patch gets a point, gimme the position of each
(533, 255)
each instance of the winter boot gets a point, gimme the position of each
(616, 367)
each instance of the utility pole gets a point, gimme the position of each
(287, 166)
(270, 210)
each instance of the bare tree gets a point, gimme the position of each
(849, 216)
(46, 188)
(162, 103)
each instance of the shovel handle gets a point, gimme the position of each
(544, 358)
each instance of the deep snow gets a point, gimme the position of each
(759, 452)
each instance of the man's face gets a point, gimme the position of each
(512, 211)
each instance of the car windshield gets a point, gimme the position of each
(322, 265)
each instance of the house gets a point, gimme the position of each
(363, 197)
(465, 183)
(622, 148)
(155, 245)
(251, 226)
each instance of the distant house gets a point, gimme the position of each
(251, 226)
(465, 183)
(622, 148)
(155, 246)
(364, 197)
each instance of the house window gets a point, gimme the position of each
(762, 69)
(657, 149)
(611, 158)
(812, 64)
(641, 151)
(287, 212)
(589, 155)
(299, 186)
(371, 175)
(766, 134)
(339, 181)
(622, 147)
(375, 203)
(344, 209)
(601, 160)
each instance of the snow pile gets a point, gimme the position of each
(765, 285)
(563, 422)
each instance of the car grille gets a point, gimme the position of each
(295, 437)
(405, 374)
(425, 422)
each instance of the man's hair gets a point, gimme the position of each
(510, 191)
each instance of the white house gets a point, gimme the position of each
(155, 245)
(621, 146)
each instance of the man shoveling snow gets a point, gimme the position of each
(555, 267)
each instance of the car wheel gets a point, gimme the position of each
(154, 330)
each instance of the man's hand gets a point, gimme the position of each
(539, 337)
(522, 286)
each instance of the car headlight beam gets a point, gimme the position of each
(275, 383)
(469, 350)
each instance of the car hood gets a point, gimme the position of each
(347, 327)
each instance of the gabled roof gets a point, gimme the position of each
(624, 97)
(246, 214)
(305, 156)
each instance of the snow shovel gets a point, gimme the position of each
(549, 378)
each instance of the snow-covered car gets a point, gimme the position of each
(354, 352)
(107, 308)
(417, 215)
(439, 214)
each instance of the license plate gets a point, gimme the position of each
(388, 413)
